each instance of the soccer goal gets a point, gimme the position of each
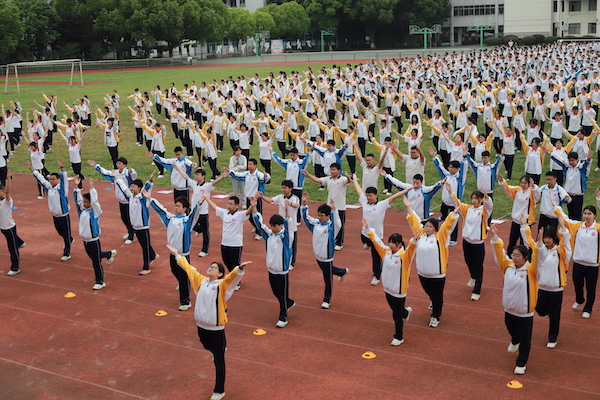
(43, 66)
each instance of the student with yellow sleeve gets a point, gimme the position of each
(519, 296)
(210, 311)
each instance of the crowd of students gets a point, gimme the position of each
(327, 119)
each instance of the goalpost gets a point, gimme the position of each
(40, 66)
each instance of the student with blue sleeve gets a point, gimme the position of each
(178, 182)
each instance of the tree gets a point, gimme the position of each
(12, 28)
(204, 20)
(425, 13)
(262, 21)
(165, 22)
(373, 13)
(40, 19)
(324, 14)
(241, 24)
(290, 19)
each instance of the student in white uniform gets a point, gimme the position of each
(8, 226)
(210, 312)
(89, 212)
(178, 182)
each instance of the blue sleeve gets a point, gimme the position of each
(160, 161)
(562, 165)
(160, 211)
(192, 218)
(278, 160)
(471, 164)
(318, 151)
(237, 178)
(304, 161)
(148, 185)
(304, 211)
(105, 176)
(259, 228)
(436, 162)
(76, 202)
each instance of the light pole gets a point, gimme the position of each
(480, 29)
(326, 32)
(415, 30)
(257, 37)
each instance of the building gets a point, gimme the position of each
(250, 5)
(522, 18)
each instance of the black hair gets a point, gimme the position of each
(432, 221)
(551, 173)
(201, 171)
(236, 200)
(324, 209)
(590, 208)
(478, 194)
(294, 150)
(184, 201)
(485, 153)
(454, 164)
(138, 183)
(276, 220)
(550, 231)
(573, 155)
(371, 189)
(397, 239)
(523, 250)
(331, 142)
(177, 149)
(86, 196)
(287, 183)
(220, 266)
(122, 159)
(253, 161)
(336, 166)
(418, 177)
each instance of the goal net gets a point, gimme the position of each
(43, 67)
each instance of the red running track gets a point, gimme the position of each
(108, 344)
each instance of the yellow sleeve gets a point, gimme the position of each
(194, 276)
(414, 222)
(503, 263)
(462, 207)
(377, 244)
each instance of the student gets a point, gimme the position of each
(475, 227)
(586, 257)
(293, 166)
(179, 236)
(254, 181)
(8, 226)
(374, 213)
(576, 175)
(419, 195)
(288, 204)
(212, 292)
(238, 163)
(534, 159)
(37, 162)
(395, 274)
(336, 191)
(178, 182)
(278, 239)
(485, 173)
(431, 257)
(139, 214)
(525, 197)
(456, 175)
(330, 155)
(89, 212)
(74, 146)
(519, 296)
(415, 163)
(232, 231)
(201, 188)
(111, 139)
(370, 175)
(324, 229)
(57, 189)
(551, 193)
(128, 175)
(553, 254)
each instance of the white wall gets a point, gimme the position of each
(527, 17)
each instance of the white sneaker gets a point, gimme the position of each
(576, 306)
(551, 345)
(597, 169)
(375, 281)
(161, 176)
(202, 254)
(433, 322)
(239, 285)
(113, 253)
(409, 311)
(475, 296)
(471, 283)
(197, 234)
(156, 257)
(129, 241)
(65, 258)
(125, 236)
(281, 324)
(585, 315)
(217, 396)
(298, 224)
(338, 248)
(325, 305)
(253, 230)
(520, 370)
(257, 237)
(513, 347)
(397, 342)
(40, 197)
(23, 245)
(13, 273)
(291, 267)
(366, 246)
(99, 286)
(341, 278)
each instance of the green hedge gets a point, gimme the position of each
(528, 40)
(514, 38)
(550, 39)
(493, 41)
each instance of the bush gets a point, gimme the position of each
(539, 38)
(528, 40)
(550, 39)
(511, 37)
(588, 37)
(492, 41)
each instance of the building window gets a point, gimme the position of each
(574, 6)
(555, 6)
(574, 29)
(592, 27)
(593, 5)
(243, 3)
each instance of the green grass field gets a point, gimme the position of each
(126, 81)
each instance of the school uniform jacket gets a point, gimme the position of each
(520, 292)
(278, 245)
(179, 226)
(89, 218)
(432, 251)
(395, 268)
(210, 311)
(127, 176)
(523, 201)
(553, 263)
(323, 234)
(139, 206)
(475, 224)
(292, 169)
(585, 241)
(58, 202)
(177, 181)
